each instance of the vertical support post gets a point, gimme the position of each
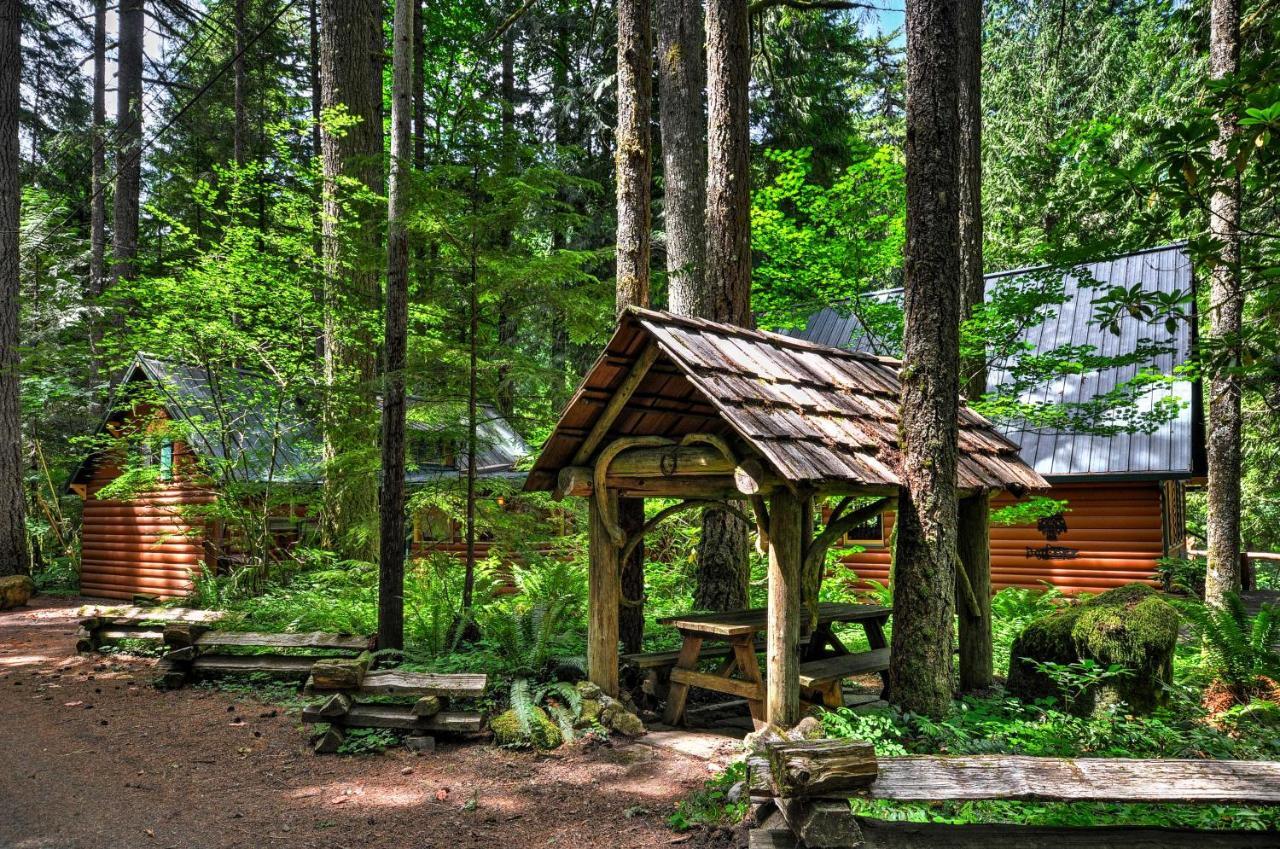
(604, 583)
(973, 544)
(782, 689)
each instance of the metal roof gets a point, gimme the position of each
(1172, 450)
(816, 415)
(235, 414)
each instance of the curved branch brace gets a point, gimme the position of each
(603, 460)
(840, 524)
(761, 510)
(966, 591)
(668, 512)
(717, 442)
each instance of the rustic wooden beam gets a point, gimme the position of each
(621, 396)
(820, 768)
(880, 834)
(600, 474)
(668, 464)
(666, 513)
(821, 823)
(782, 697)
(838, 526)
(604, 588)
(973, 583)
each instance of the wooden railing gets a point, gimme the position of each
(804, 788)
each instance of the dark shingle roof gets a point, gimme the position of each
(813, 413)
(1170, 451)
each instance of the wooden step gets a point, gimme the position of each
(128, 615)
(313, 640)
(243, 664)
(395, 682)
(396, 716)
(818, 673)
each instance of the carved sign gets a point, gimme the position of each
(1053, 552)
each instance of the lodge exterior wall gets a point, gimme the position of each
(1116, 534)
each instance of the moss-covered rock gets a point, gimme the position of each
(15, 591)
(615, 716)
(1131, 626)
(543, 731)
(589, 691)
(589, 714)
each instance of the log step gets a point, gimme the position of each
(396, 716)
(314, 640)
(243, 664)
(394, 682)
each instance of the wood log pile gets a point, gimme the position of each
(100, 626)
(802, 791)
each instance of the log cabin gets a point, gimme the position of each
(1125, 491)
(179, 440)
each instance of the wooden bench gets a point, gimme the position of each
(101, 625)
(656, 666)
(196, 650)
(825, 676)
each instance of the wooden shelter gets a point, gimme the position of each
(685, 408)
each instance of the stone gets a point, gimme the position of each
(589, 691)
(616, 717)
(420, 744)
(756, 740)
(543, 732)
(589, 714)
(809, 728)
(16, 591)
(1130, 626)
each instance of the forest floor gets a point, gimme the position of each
(91, 756)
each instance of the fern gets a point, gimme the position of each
(563, 718)
(566, 692)
(522, 702)
(1237, 650)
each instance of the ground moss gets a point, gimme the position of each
(543, 732)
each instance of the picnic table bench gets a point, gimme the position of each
(825, 661)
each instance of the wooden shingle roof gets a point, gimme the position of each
(817, 416)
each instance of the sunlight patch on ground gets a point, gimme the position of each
(24, 660)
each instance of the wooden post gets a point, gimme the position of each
(973, 544)
(604, 590)
(782, 691)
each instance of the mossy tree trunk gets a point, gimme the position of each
(925, 562)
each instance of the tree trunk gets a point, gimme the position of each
(634, 164)
(1226, 310)
(129, 138)
(350, 78)
(419, 86)
(238, 133)
(13, 529)
(973, 532)
(724, 570)
(473, 431)
(682, 77)
(98, 186)
(925, 560)
(395, 341)
(313, 25)
(727, 294)
(633, 157)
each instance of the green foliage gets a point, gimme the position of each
(712, 804)
(1027, 511)
(368, 741)
(1077, 680)
(1237, 649)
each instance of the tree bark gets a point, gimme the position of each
(682, 77)
(723, 565)
(395, 341)
(974, 516)
(128, 138)
(634, 156)
(98, 186)
(634, 174)
(419, 86)
(1226, 311)
(238, 133)
(13, 529)
(350, 79)
(925, 559)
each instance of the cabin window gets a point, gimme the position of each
(166, 460)
(869, 534)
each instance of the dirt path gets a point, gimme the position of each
(92, 757)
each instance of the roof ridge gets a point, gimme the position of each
(769, 336)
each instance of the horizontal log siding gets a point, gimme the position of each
(144, 545)
(1116, 527)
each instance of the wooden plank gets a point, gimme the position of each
(128, 615)
(928, 778)
(397, 716)
(619, 399)
(395, 682)
(292, 667)
(738, 622)
(878, 834)
(313, 640)
(821, 823)
(673, 713)
(742, 689)
(816, 673)
(820, 768)
(113, 634)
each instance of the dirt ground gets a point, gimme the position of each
(92, 757)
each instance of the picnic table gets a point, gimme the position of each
(825, 661)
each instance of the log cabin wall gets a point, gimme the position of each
(1117, 532)
(145, 544)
